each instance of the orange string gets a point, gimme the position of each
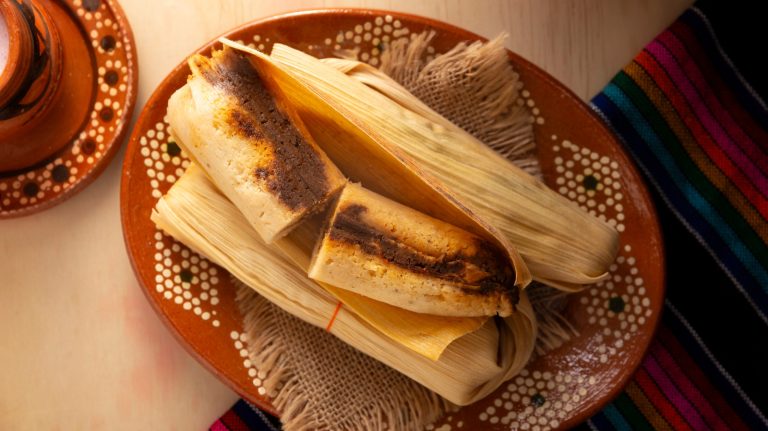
(333, 318)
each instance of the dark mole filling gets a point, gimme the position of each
(296, 175)
(348, 227)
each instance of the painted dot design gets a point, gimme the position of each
(181, 275)
(364, 42)
(263, 44)
(537, 401)
(592, 180)
(112, 78)
(620, 301)
(367, 40)
(527, 100)
(66, 170)
(540, 400)
(163, 159)
(257, 376)
(91, 5)
(240, 342)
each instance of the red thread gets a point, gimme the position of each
(333, 318)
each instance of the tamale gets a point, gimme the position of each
(387, 172)
(254, 147)
(473, 366)
(357, 155)
(389, 252)
(562, 244)
(356, 150)
(426, 334)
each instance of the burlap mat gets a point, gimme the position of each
(323, 384)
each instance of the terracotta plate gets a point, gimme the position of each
(581, 159)
(113, 71)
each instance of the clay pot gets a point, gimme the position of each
(42, 101)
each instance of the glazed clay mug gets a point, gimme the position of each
(39, 108)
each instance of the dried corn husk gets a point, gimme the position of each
(197, 214)
(562, 244)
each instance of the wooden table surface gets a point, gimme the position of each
(80, 347)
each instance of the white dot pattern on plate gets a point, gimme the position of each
(527, 100)
(592, 180)
(537, 400)
(257, 377)
(181, 275)
(366, 41)
(114, 60)
(620, 301)
(257, 42)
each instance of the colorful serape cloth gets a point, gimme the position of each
(690, 112)
(244, 416)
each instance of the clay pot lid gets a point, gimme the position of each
(97, 95)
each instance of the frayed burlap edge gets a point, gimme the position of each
(410, 408)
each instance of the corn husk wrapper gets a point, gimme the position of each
(198, 215)
(562, 244)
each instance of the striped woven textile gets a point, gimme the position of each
(686, 110)
(244, 416)
(689, 110)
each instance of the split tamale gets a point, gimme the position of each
(254, 147)
(359, 157)
(391, 253)
(358, 153)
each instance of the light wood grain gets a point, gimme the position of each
(80, 348)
